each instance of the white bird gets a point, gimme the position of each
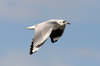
(51, 28)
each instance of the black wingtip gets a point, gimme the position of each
(53, 40)
(31, 48)
(31, 52)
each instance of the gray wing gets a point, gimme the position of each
(41, 34)
(56, 34)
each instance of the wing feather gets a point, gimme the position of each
(56, 34)
(42, 32)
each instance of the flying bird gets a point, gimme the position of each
(52, 28)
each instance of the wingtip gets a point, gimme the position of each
(31, 53)
(53, 41)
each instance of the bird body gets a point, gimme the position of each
(51, 28)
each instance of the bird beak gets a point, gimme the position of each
(68, 23)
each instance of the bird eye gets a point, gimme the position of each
(64, 21)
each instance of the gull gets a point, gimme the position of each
(52, 28)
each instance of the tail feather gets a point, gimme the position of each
(31, 27)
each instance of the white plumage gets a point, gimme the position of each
(51, 28)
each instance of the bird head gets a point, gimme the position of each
(58, 21)
(62, 22)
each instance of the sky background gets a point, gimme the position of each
(79, 45)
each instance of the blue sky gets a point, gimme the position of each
(79, 45)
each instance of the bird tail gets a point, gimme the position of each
(31, 27)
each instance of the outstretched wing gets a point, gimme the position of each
(42, 32)
(56, 34)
